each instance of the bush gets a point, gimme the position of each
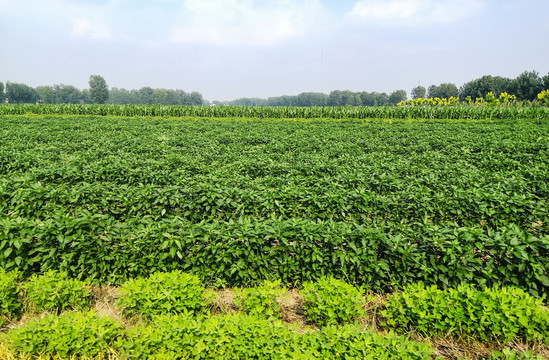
(492, 314)
(10, 305)
(240, 336)
(330, 301)
(55, 291)
(70, 335)
(262, 300)
(162, 293)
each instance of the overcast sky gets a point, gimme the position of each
(227, 49)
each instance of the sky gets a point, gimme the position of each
(229, 49)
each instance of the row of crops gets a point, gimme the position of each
(360, 112)
(379, 204)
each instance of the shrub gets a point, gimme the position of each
(240, 336)
(330, 301)
(162, 293)
(55, 291)
(69, 335)
(262, 300)
(492, 314)
(10, 305)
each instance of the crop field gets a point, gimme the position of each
(236, 201)
(383, 205)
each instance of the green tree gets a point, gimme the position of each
(67, 94)
(343, 98)
(99, 90)
(419, 92)
(527, 85)
(2, 96)
(445, 90)
(397, 96)
(146, 95)
(478, 88)
(45, 94)
(20, 93)
(545, 81)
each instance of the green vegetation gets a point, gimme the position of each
(162, 293)
(10, 304)
(68, 336)
(55, 292)
(282, 112)
(167, 325)
(261, 300)
(238, 201)
(330, 301)
(491, 314)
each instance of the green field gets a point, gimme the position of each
(379, 203)
(382, 204)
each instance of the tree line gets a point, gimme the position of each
(525, 87)
(98, 93)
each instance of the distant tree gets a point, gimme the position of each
(99, 91)
(527, 85)
(445, 90)
(344, 98)
(419, 92)
(123, 96)
(146, 95)
(545, 81)
(45, 94)
(478, 88)
(2, 96)
(311, 99)
(67, 94)
(397, 96)
(20, 93)
(196, 98)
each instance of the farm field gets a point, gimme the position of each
(236, 201)
(381, 204)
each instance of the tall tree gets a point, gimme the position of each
(478, 88)
(545, 80)
(419, 92)
(20, 93)
(2, 96)
(397, 96)
(99, 91)
(445, 90)
(45, 94)
(527, 85)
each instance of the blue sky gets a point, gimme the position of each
(227, 49)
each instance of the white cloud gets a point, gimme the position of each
(236, 22)
(406, 12)
(90, 28)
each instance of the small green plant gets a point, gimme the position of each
(262, 300)
(55, 292)
(71, 335)
(163, 293)
(10, 304)
(508, 354)
(491, 314)
(330, 301)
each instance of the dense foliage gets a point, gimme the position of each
(491, 314)
(234, 202)
(162, 293)
(281, 112)
(245, 337)
(68, 336)
(330, 301)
